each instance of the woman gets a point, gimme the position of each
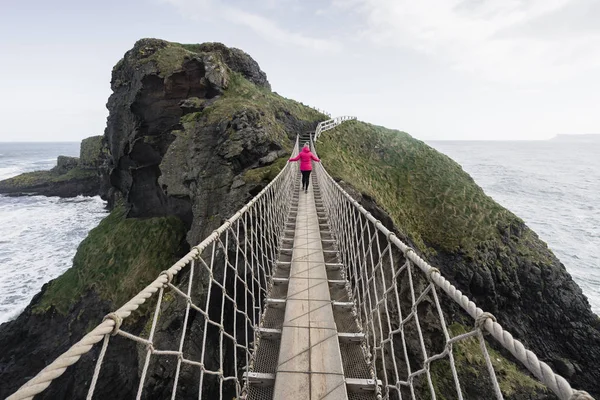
(305, 157)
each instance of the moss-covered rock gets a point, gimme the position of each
(189, 122)
(265, 174)
(429, 197)
(72, 182)
(91, 153)
(65, 164)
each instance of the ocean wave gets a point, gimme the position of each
(40, 236)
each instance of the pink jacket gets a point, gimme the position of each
(305, 156)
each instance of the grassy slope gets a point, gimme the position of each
(471, 367)
(428, 196)
(435, 204)
(117, 259)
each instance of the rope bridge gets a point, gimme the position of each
(225, 287)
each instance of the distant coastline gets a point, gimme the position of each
(586, 137)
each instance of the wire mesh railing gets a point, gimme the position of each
(217, 291)
(398, 303)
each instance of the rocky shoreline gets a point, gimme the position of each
(71, 177)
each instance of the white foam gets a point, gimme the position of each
(39, 238)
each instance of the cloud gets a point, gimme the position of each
(267, 28)
(507, 41)
(271, 31)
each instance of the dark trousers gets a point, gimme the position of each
(305, 178)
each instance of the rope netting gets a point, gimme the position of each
(217, 292)
(398, 296)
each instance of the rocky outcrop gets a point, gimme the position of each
(71, 177)
(238, 61)
(64, 164)
(193, 133)
(65, 180)
(179, 135)
(92, 153)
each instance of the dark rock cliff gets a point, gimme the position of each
(193, 133)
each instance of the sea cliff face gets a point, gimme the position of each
(193, 133)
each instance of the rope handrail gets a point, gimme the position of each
(253, 233)
(367, 252)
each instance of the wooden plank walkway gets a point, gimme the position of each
(310, 363)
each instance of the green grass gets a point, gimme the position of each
(168, 59)
(471, 367)
(428, 196)
(117, 259)
(34, 178)
(76, 173)
(37, 178)
(243, 95)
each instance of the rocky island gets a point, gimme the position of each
(194, 132)
(72, 176)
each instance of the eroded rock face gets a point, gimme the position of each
(536, 300)
(31, 341)
(239, 61)
(162, 165)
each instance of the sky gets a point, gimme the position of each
(437, 69)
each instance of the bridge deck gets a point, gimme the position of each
(310, 363)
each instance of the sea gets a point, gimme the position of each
(553, 186)
(38, 235)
